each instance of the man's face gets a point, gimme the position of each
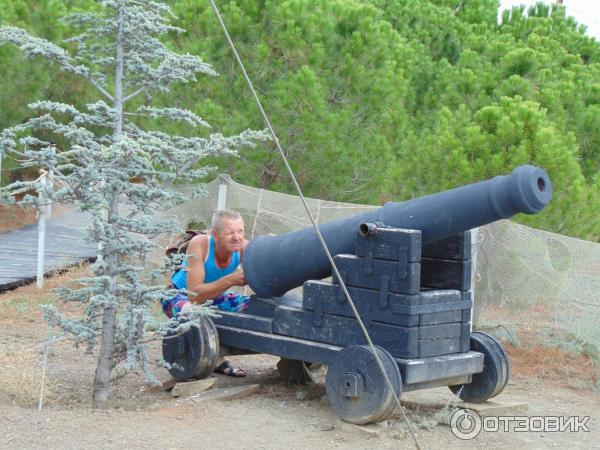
(230, 235)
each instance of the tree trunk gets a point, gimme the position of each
(105, 360)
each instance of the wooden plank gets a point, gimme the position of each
(417, 370)
(166, 385)
(265, 307)
(400, 341)
(398, 309)
(327, 298)
(195, 387)
(9, 278)
(18, 252)
(246, 321)
(395, 244)
(228, 393)
(12, 284)
(465, 337)
(273, 344)
(443, 331)
(432, 401)
(13, 272)
(422, 370)
(353, 269)
(456, 247)
(61, 247)
(441, 317)
(437, 296)
(466, 315)
(446, 274)
(436, 347)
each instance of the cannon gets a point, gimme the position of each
(526, 190)
(407, 267)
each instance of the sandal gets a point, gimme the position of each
(227, 369)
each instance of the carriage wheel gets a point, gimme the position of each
(496, 370)
(194, 353)
(503, 358)
(357, 389)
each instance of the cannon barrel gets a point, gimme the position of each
(275, 264)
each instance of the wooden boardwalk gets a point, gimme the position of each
(64, 247)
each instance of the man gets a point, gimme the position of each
(212, 267)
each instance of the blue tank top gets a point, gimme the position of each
(212, 272)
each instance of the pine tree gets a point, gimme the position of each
(379, 100)
(105, 159)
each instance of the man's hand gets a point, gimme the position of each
(237, 278)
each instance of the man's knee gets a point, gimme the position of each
(186, 308)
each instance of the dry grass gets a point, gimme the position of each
(13, 216)
(553, 364)
(21, 375)
(24, 301)
(539, 350)
(21, 363)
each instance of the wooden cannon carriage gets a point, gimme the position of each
(407, 267)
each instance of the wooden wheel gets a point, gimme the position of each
(504, 361)
(356, 387)
(194, 353)
(496, 370)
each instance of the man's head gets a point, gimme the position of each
(228, 230)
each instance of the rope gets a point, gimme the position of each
(318, 232)
(258, 211)
(253, 232)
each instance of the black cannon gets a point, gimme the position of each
(526, 190)
(407, 267)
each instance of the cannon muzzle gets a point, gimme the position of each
(275, 264)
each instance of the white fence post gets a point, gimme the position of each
(40, 250)
(43, 212)
(222, 199)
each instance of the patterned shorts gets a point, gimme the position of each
(228, 301)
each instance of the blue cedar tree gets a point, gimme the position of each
(113, 167)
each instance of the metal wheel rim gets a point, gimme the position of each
(466, 390)
(209, 349)
(377, 401)
(505, 361)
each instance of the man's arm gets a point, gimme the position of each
(197, 250)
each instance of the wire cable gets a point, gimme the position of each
(319, 235)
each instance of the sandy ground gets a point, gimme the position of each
(277, 417)
(550, 381)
